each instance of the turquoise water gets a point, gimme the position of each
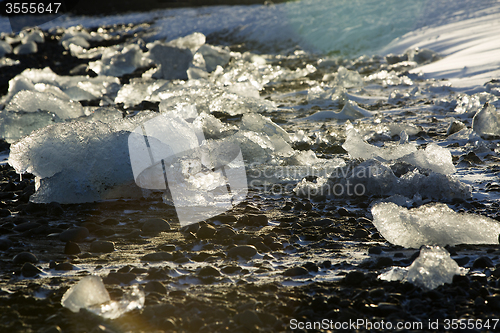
(352, 27)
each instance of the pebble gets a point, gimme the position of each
(248, 318)
(343, 212)
(155, 287)
(158, 256)
(155, 225)
(64, 266)
(295, 271)
(225, 232)
(30, 270)
(55, 209)
(244, 251)
(208, 271)
(25, 257)
(53, 329)
(102, 246)
(375, 250)
(72, 248)
(206, 231)
(5, 244)
(75, 234)
(360, 233)
(482, 262)
(4, 212)
(25, 226)
(257, 220)
(110, 222)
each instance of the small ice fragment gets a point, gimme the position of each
(76, 40)
(5, 48)
(394, 274)
(422, 56)
(432, 224)
(115, 63)
(174, 62)
(192, 42)
(433, 267)
(90, 294)
(455, 126)
(27, 48)
(32, 36)
(214, 56)
(486, 122)
(347, 78)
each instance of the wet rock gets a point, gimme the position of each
(208, 271)
(206, 231)
(166, 247)
(243, 251)
(158, 256)
(343, 212)
(55, 209)
(25, 226)
(155, 226)
(311, 267)
(30, 270)
(226, 219)
(104, 232)
(375, 250)
(257, 220)
(295, 271)
(248, 318)
(354, 278)
(124, 278)
(323, 222)
(225, 232)
(4, 212)
(25, 257)
(75, 234)
(482, 262)
(110, 222)
(230, 269)
(64, 266)
(462, 261)
(156, 287)
(72, 248)
(360, 233)
(5, 244)
(102, 246)
(53, 329)
(383, 262)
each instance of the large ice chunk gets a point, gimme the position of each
(32, 101)
(433, 157)
(5, 48)
(118, 63)
(214, 56)
(15, 125)
(432, 224)
(173, 62)
(90, 294)
(79, 161)
(192, 42)
(486, 122)
(431, 269)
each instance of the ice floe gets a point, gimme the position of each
(91, 294)
(431, 269)
(432, 224)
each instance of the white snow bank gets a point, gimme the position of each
(432, 224)
(470, 46)
(432, 268)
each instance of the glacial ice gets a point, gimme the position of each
(5, 48)
(93, 155)
(433, 157)
(431, 269)
(350, 111)
(486, 122)
(32, 101)
(173, 62)
(27, 48)
(372, 177)
(432, 224)
(91, 294)
(120, 62)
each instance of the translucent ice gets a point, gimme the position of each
(31, 101)
(433, 267)
(486, 122)
(193, 42)
(118, 63)
(90, 294)
(34, 35)
(29, 47)
(173, 62)
(347, 78)
(15, 125)
(350, 111)
(87, 159)
(5, 48)
(432, 224)
(214, 56)
(433, 157)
